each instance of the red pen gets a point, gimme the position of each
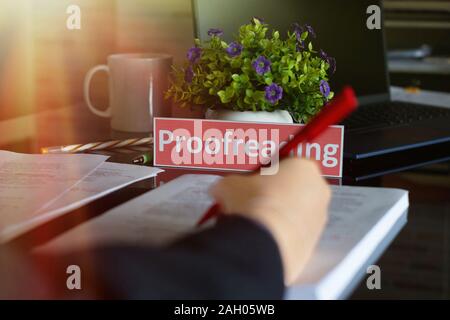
(339, 108)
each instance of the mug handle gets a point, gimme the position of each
(87, 83)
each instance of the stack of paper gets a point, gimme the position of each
(360, 220)
(37, 188)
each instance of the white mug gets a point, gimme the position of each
(137, 83)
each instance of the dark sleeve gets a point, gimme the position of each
(235, 259)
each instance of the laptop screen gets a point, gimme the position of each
(340, 26)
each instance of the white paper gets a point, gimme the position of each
(359, 219)
(29, 182)
(154, 217)
(107, 178)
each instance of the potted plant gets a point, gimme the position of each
(257, 77)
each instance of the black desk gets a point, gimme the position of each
(416, 265)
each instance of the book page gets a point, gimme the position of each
(29, 182)
(107, 178)
(155, 217)
(173, 210)
(359, 219)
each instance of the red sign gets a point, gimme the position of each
(239, 146)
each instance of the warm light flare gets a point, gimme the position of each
(43, 63)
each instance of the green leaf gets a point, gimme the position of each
(304, 35)
(331, 96)
(222, 96)
(229, 92)
(236, 77)
(244, 78)
(235, 63)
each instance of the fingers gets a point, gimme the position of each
(234, 193)
(292, 205)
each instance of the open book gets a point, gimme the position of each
(360, 220)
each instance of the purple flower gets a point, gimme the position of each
(324, 88)
(330, 60)
(300, 46)
(298, 30)
(234, 49)
(194, 54)
(323, 55)
(310, 30)
(274, 93)
(189, 74)
(215, 32)
(261, 65)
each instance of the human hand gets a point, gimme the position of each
(292, 205)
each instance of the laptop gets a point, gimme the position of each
(382, 135)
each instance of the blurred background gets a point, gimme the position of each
(42, 63)
(420, 30)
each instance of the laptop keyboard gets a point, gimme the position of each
(391, 114)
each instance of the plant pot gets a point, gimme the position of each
(278, 116)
